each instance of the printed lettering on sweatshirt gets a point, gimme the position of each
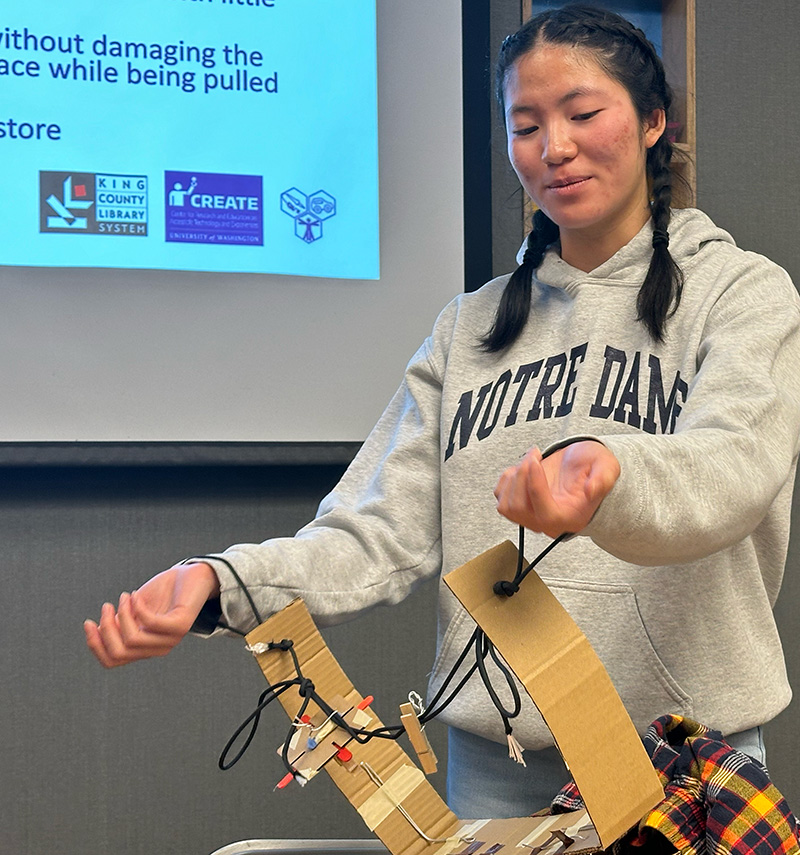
(632, 390)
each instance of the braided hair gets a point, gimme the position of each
(626, 55)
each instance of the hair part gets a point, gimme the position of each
(626, 55)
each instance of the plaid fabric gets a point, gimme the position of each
(717, 800)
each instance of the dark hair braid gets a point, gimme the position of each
(626, 55)
(514, 307)
(661, 290)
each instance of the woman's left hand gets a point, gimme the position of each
(561, 493)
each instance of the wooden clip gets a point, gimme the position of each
(418, 738)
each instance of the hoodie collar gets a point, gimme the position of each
(689, 231)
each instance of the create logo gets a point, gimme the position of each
(215, 208)
(308, 212)
(93, 203)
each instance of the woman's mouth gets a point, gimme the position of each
(568, 185)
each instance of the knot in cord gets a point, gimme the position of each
(305, 687)
(285, 644)
(505, 588)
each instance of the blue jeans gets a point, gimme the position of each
(482, 782)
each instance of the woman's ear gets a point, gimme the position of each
(654, 126)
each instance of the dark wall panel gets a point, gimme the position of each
(748, 182)
(124, 761)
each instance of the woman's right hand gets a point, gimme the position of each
(152, 620)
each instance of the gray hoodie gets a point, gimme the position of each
(674, 579)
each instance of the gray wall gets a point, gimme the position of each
(748, 182)
(125, 761)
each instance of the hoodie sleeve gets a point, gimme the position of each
(376, 535)
(708, 485)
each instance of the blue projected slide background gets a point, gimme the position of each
(219, 135)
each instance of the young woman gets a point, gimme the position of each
(653, 363)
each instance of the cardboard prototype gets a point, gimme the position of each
(405, 793)
(404, 783)
(331, 738)
(566, 680)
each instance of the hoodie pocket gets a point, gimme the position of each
(609, 616)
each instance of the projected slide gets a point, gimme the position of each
(219, 135)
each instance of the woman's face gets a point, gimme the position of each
(578, 145)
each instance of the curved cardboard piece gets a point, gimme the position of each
(569, 685)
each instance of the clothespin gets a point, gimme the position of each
(418, 738)
(344, 756)
(361, 718)
(284, 781)
(288, 778)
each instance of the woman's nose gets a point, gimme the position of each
(558, 145)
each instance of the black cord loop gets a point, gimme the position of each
(239, 582)
(508, 589)
(478, 642)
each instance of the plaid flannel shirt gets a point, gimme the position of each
(717, 800)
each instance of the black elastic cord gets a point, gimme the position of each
(431, 711)
(509, 588)
(308, 693)
(266, 698)
(483, 647)
(478, 641)
(239, 582)
(222, 625)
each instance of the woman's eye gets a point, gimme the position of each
(523, 132)
(582, 117)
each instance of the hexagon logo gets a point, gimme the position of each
(308, 228)
(293, 202)
(308, 212)
(322, 205)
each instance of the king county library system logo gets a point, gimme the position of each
(92, 203)
(215, 208)
(308, 212)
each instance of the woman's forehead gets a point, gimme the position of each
(557, 72)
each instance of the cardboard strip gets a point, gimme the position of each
(539, 833)
(467, 831)
(447, 848)
(388, 796)
(384, 756)
(514, 836)
(566, 680)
